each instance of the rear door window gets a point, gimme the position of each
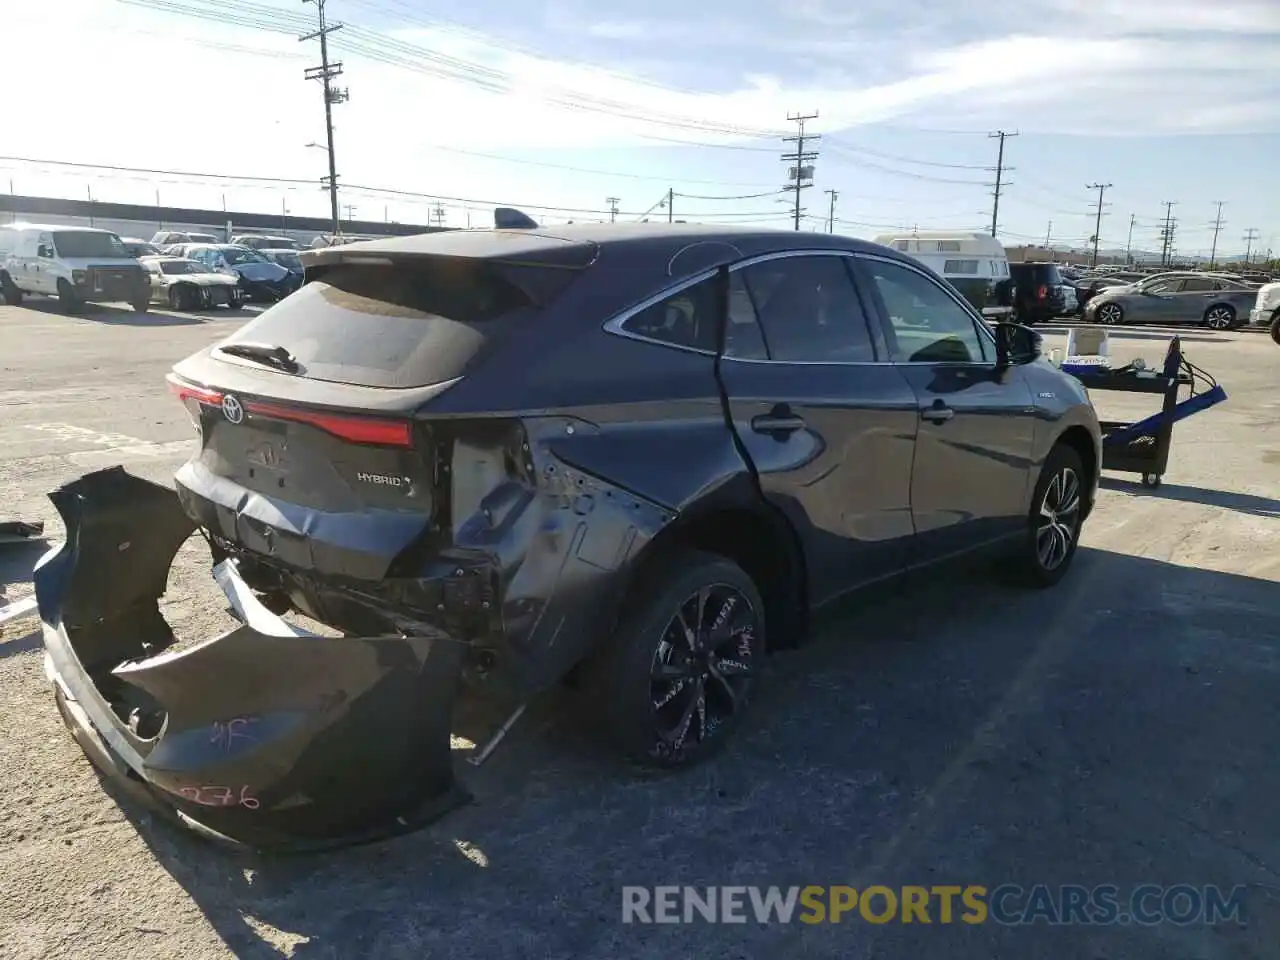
(401, 325)
(809, 310)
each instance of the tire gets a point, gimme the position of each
(1110, 314)
(178, 299)
(645, 684)
(1275, 327)
(141, 306)
(67, 297)
(1221, 317)
(1042, 558)
(12, 295)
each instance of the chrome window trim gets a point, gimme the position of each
(615, 323)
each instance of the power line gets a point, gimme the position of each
(801, 174)
(844, 145)
(995, 207)
(1097, 223)
(388, 50)
(743, 196)
(289, 182)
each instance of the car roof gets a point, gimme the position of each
(641, 239)
(54, 228)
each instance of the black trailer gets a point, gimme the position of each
(1142, 446)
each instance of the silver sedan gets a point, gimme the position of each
(1214, 301)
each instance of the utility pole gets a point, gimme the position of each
(1166, 233)
(1217, 225)
(1250, 235)
(995, 208)
(326, 73)
(351, 210)
(831, 213)
(1048, 232)
(437, 214)
(613, 208)
(801, 175)
(1097, 222)
(284, 212)
(671, 204)
(1128, 246)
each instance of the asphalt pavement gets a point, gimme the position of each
(1121, 729)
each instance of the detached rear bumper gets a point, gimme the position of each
(265, 736)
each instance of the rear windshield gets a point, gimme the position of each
(396, 325)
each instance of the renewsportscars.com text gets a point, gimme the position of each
(1008, 904)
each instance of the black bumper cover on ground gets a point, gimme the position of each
(269, 739)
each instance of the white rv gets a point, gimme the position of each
(974, 263)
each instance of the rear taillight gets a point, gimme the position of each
(1042, 292)
(386, 433)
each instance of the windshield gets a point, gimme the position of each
(182, 266)
(287, 258)
(201, 238)
(238, 255)
(83, 243)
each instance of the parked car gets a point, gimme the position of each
(165, 238)
(260, 278)
(1088, 285)
(1216, 302)
(78, 265)
(1266, 305)
(723, 430)
(190, 285)
(262, 241)
(289, 260)
(1040, 293)
(139, 248)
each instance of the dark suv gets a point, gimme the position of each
(1040, 292)
(634, 456)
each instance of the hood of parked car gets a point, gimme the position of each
(201, 279)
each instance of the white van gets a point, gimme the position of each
(78, 265)
(974, 263)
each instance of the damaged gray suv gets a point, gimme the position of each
(634, 456)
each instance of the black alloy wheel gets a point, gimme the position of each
(702, 668)
(675, 679)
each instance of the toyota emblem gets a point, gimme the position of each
(232, 409)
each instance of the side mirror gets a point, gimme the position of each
(45, 251)
(1016, 344)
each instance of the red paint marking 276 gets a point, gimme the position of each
(214, 796)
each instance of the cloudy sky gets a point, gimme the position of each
(556, 106)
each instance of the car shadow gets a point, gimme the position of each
(18, 559)
(1246, 503)
(112, 314)
(964, 727)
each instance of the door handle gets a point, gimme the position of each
(938, 413)
(777, 422)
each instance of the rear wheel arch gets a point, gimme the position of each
(756, 538)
